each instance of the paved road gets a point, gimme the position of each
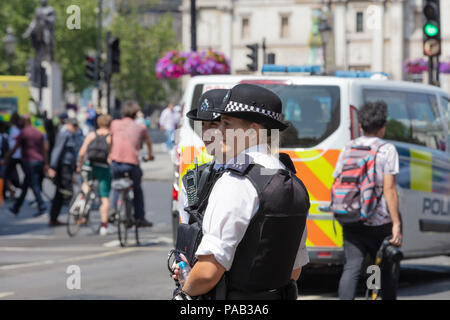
(34, 259)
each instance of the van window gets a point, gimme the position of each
(8, 104)
(412, 117)
(313, 113)
(446, 108)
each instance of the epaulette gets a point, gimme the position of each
(287, 161)
(240, 165)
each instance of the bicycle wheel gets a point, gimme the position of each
(123, 222)
(93, 216)
(136, 232)
(74, 218)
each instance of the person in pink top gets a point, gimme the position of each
(127, 138)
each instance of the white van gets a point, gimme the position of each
(322, 112)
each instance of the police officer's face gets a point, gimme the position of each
(238, 135)
(209, 134)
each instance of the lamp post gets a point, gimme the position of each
(10, 43)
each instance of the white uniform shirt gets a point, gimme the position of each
(232, 204)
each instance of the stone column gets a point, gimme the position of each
(377, 9)
(340, 34)
(397, 39)
(226, 28)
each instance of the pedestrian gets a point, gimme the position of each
(91, 118)
(364, 237)
(4, 147)
(253, 244)
(34, 162)
(62, 167)
(11, 174)
(50, 130)
(127, 138)
(168, 124)
(95, 149)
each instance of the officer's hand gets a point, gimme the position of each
(176, 270)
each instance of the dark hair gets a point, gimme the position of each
(372, 116)
(130, 109)
(15, 119)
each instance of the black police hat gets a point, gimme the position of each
(254, 103)
(210, 100)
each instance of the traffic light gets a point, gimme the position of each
(113, 55)
(92, 69)
(431, 28)
(253, 66)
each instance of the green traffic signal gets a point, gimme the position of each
(431, 29)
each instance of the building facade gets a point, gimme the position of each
(376, 35)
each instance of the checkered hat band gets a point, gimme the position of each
(233, 106)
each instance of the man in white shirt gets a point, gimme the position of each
(253, 232)
(168, 124)
(363, 238)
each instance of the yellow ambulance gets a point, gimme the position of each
(15, 97)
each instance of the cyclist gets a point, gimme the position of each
(96, 147)
(127, 138)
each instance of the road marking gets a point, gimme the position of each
(6, 294)
(80, 258)
(144, 242)
(27, 237)
(73, 259)
(39, 249)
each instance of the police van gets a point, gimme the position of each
(322, 113)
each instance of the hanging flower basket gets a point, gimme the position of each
(175, 64)
(171, 65)
(417, 66)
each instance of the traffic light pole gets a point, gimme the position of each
(108, 73)
(193, 26)
(99, 52)
(430, 70)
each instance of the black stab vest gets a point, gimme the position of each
(265, 257)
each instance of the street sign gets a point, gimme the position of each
(432, 47)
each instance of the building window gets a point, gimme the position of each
(284, 31)
(245, 28)
(359, 22)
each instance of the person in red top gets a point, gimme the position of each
(126, 140)
(35, 163)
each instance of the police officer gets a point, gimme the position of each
(253, 243)
(209, 124)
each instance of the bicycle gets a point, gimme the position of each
(124, 209)
(81, 205)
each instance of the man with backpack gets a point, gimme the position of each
(365, 200)
(96, 149)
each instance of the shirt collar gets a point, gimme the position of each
(251, 152)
